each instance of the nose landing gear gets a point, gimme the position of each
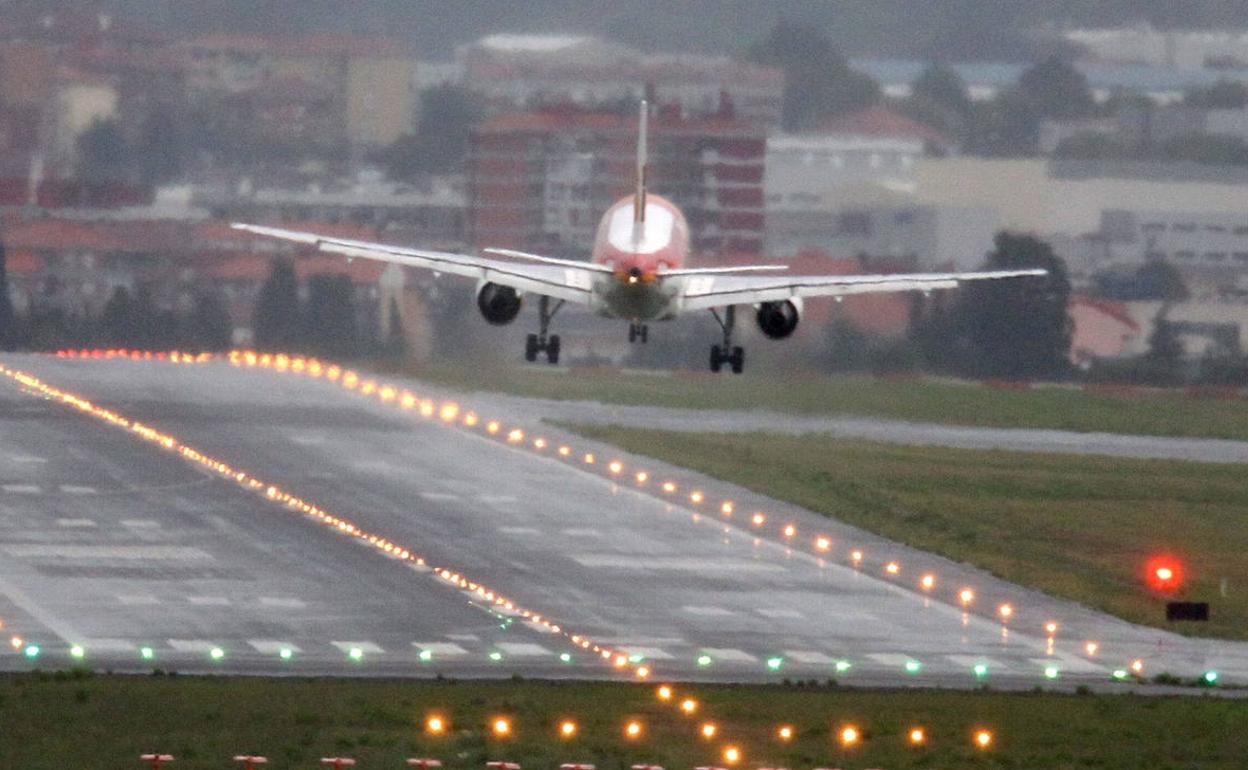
(540, 342)
(727, 354)
(638, 332)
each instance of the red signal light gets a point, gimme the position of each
(1164, 573)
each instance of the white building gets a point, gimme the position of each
(1182, 49)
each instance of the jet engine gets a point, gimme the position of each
(499, 305)
(777, 320)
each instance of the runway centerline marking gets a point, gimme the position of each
(21, 489)
(75, 489)
(76, 523)
(110, 552)
(674, 563)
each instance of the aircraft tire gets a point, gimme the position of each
(737, 359)
(716, 358)
(530, 348)
(552, 349)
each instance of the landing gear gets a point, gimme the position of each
(727, 354)
(638, 332)
(541, 342)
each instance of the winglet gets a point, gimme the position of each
(639, 197)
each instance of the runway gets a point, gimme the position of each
(143, 560)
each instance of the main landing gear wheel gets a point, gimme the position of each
(727, 354)
(540, 342)
(638, 333)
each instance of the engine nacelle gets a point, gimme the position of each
(778, 320)
(499, 305)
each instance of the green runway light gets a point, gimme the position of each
(147, 653)
(1211, 677)
(286, 653)
(356, 654)
(775, 663)
(425, 656)
(32, 651)
(1120, 674)
(1051, 672)
(981, 670)
(704, 660)
(913, 666)
(216, 653)
(496, 656)
(77, 652)
(566, 657)
(842, 666)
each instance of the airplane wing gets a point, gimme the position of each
(560, 279)
(709, 291)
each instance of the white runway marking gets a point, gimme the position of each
(307, 440)
(674, 563)
(890, 658)
(21, 489)
(810, 657)
(520, 530)
(497, 499)
(368, 648)
(710, 612)
(286, 604)
(140, 523)
(582, 532)
(135, 601)
(440, 648)
(73, 489)
(208, 601)
(464, 637)
(192, 645)
(76, 523)
(106, 552)
(649, 653)
(372, 465)
(729, 655)
(440, 497)
(779, 613)
(108, 645)
(522, 649)
(28, 459)
(270, 647)
(1068, 663)
(971, 661)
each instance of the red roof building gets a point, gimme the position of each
(879, 122)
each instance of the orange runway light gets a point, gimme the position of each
(790, 530)
(435, 724)
(850, 736)
(732, 755)
(1005, 611)
(1090, 648)
(708, 730)
(501, 727)
(822, 543)
(665, 692)
(983, 739)
(928, 582)
(726, 508)
(917, 736)
(688, 705)
(785, 733)
(567, 728)
(758, 519)
(633, 729)
(642, 477)
(1051, 627)
(856, 557)
(966, 596)
(892, 568)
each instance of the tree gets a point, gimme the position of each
(8, 322)
(944, 87)
(818, 80)
(1091, 145)
(329, 319)
(1164, 359)
(211, 327)
(277, 310)
(103, 154)
(1055, 89)
(1018, 328)
(1222, 95)
(1207, 149)
(440, 144)
(1161, 280)
(1007, 126)
(118, 319)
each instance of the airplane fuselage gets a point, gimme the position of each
(638, 252)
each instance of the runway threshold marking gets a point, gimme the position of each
(275, 494)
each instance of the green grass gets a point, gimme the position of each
(1072, 526)
(1160, 414)
(59, 722)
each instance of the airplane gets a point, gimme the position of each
(637, 272)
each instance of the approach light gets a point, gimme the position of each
(1051, 672)
(565, 657)
(732, 755)
(981, 670)
(689, 705)
(32, 651)
(1210, 677)
(1164, 573)
(708, 730)
(917, 736)
(501, 727)
(286, 653)
(147, 653)
(785, 733)
(435, 725)
(927, 582)
(1005, 611)
(633, 729)
(665, 692)
(775, 663)
(77, 652)
(913, 666)
(704, 660)
(567, 729)
(850, 736)
(216, 653)
(983, 739)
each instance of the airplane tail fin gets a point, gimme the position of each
(639, 197)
